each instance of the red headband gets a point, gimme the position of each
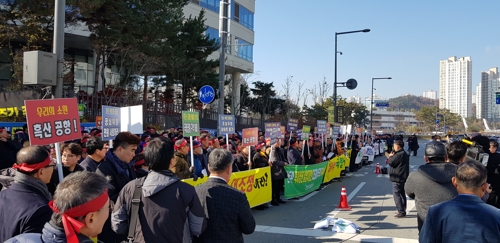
(2, 129)
(203, 139)
(24, 167)
(70, 224)
(181, 145)
(139, 163)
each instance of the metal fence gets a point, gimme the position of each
(161, 113)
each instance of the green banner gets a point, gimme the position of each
(81, 110)
(305, 132)
(331, 114)
(303, 179)
(190, 123)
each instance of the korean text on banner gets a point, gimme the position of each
(305, 132)
(52, 121)
(283, 131)
(303, 179)
(321, 125)
(256, 184)
(250, 137)
(98, 122)
(331, 114)
(81, 110)
(330, 172)
(341, 163)
(293, 124)
(111, 122)
(226, 124)
(12, 111)
(270, 127)
(190, 123)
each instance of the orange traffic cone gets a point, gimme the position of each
(343, 204)
(377, 169)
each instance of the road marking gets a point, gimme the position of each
(351, 195)
(410, 204)
(327, 234)
(379, 176)
(366, 173)
(311, 194)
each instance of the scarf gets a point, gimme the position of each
(121, 167)
(33, 182)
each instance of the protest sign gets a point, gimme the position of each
(321, 127)
(270, 127)
(303, 179)
(226, 124)
(190, 123)
(293, 124)
(52, 121)
(111, 122)
(250, 137)
(305, 132)
(256, 184)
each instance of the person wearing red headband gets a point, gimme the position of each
(24, 205)
(181, 168)
(80, 208)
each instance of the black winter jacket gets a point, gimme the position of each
(400, 166)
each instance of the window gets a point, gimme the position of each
(242, 15)
(244, 50)
(213, 5)
(213, 34)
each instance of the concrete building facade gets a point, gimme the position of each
(387, 121)
(455, 85)
(486, 98)
(430, 94)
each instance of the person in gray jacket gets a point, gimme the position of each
(431, 183)
(170, 210)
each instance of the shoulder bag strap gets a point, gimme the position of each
(134, 214)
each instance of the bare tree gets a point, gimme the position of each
(287, 89)
(301, 95)
(320, 91)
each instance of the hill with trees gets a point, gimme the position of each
(411, 102)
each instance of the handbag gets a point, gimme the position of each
(134, 212)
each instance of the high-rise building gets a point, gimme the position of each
(430, 94)
(455, 85)
(487, 108)
(477, 101)
(355, 99)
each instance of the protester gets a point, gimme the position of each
(96, 150)
(200, 160)
(70, 155)
(260, 159)
(293, 154)
(8, 149)
(277, 162)
(493, 168)
(466, 218)
(170, 210)
(399, 161)
(227, 209)
(24, 205)
(140, 167)
(80, 206)
(431, 183)
(182, 168)
(354, 153)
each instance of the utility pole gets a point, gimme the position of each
(58, 44)
(223, 32)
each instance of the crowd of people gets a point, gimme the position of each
(141, 174)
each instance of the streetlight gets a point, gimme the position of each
(335, 76)
(371, 104)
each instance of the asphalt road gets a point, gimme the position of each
(373, 209)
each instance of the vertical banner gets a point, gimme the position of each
(303, 179)
(305, 132)
(250, 136)
(190, 123)
(98, 122)
(52, 121)
(256, 184)
(330, 170)
(270, 127)
(226, 124)
(293, 124)
(331, 114)
(321, 125)
(111, 122)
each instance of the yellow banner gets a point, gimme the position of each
(330, 171)
(256, 184)
(341, 163)
(347, 159)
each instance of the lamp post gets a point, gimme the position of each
(335, 75)
(371, 104)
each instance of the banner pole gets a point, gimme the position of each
(303, 146)
(191, 149)
(249, 156)
(227, 141)
(59, 161)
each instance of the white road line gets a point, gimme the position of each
(410, 204)
(366, 173)
(379, 176)
(311, 194)
(327, 234)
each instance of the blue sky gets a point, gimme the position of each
(407, 40)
